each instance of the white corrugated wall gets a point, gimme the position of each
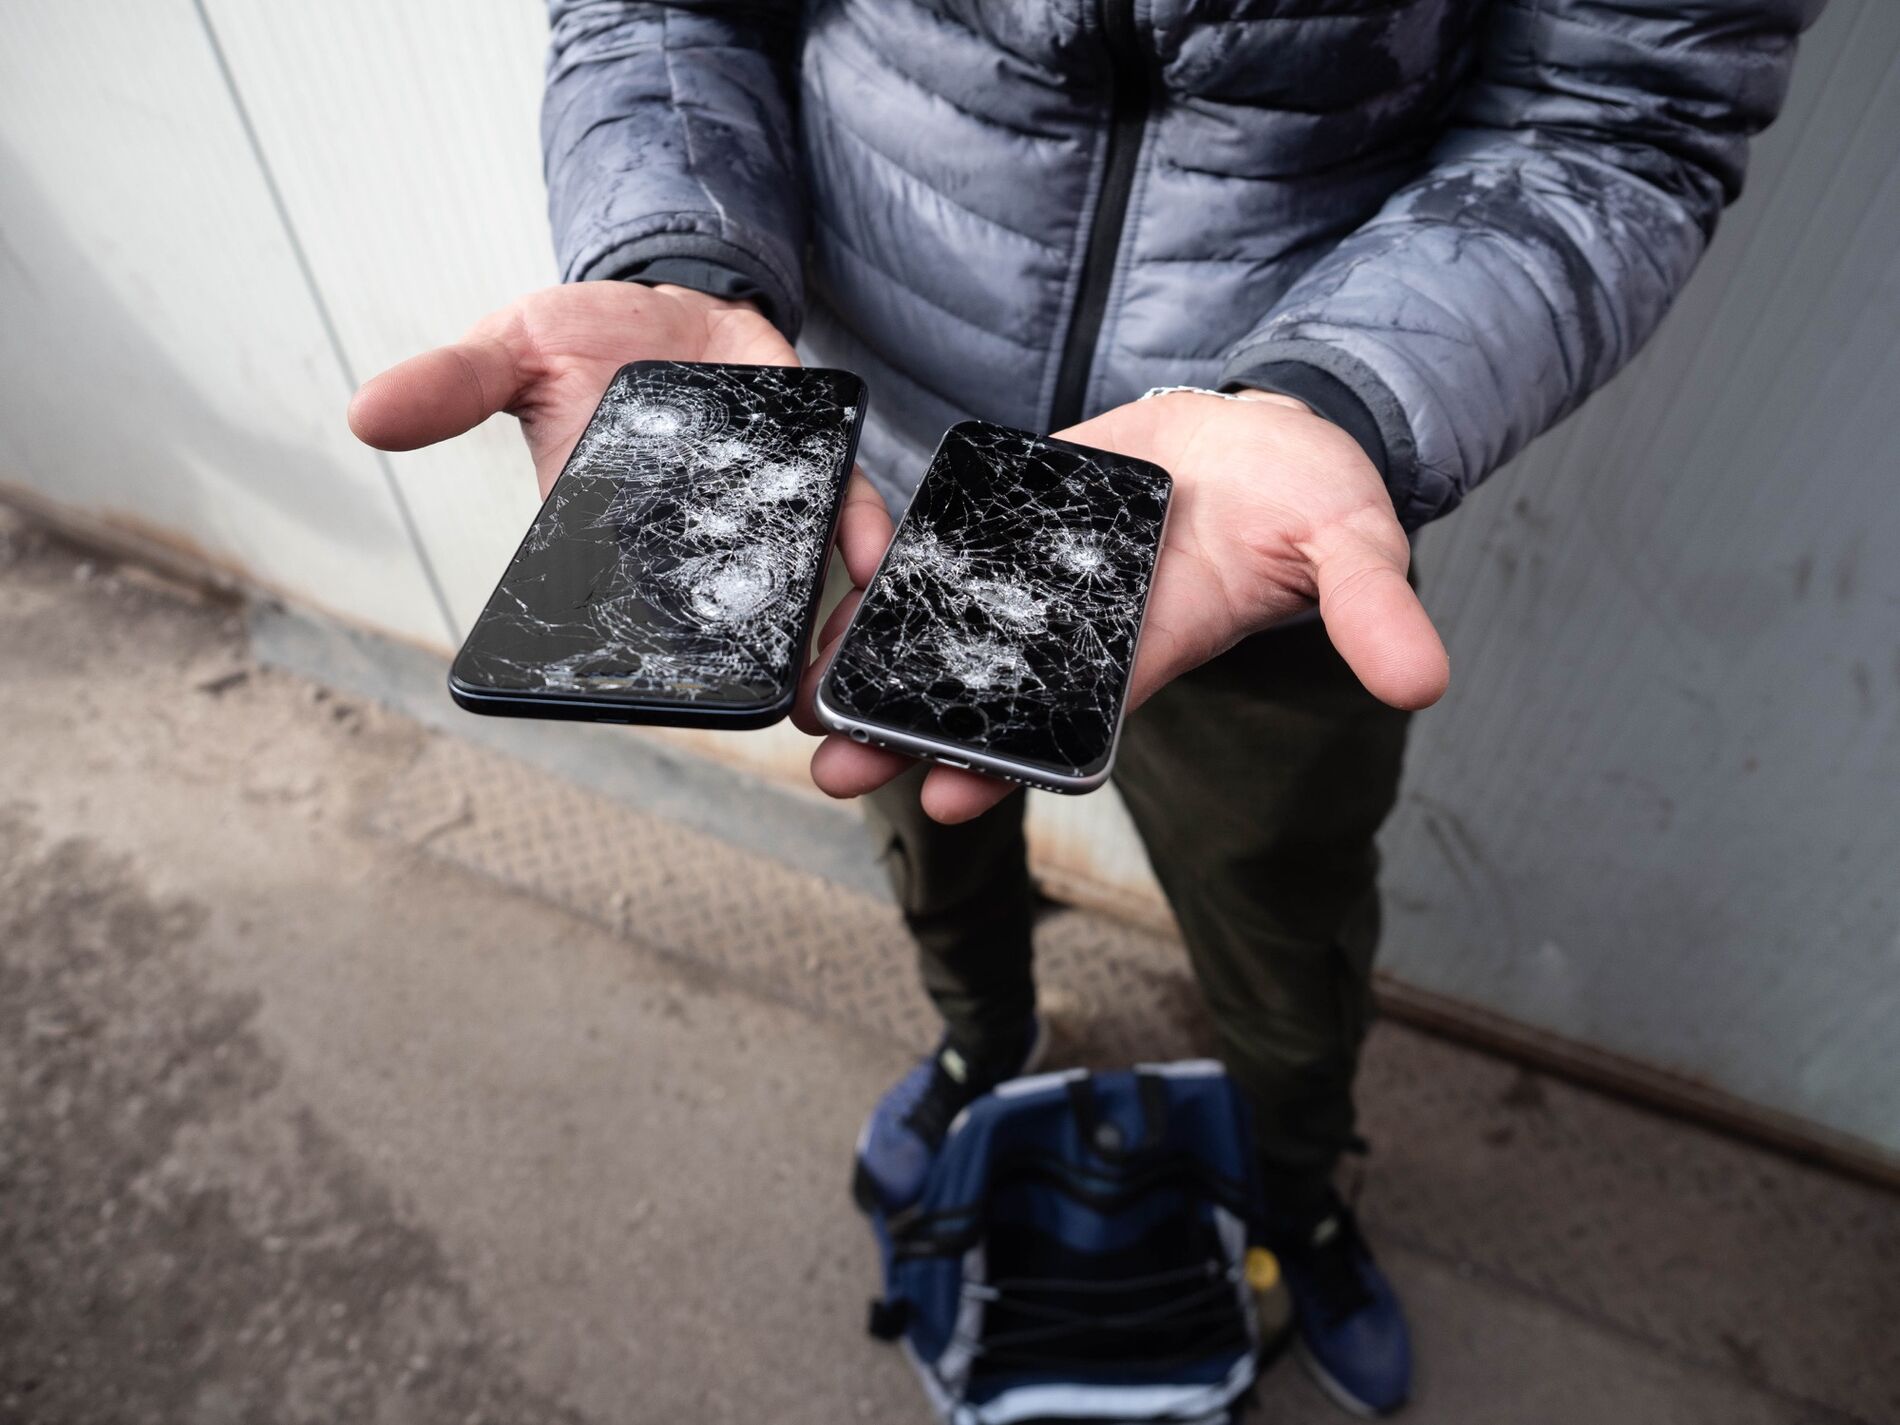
(1659, 813)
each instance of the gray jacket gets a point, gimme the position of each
(1441, 222)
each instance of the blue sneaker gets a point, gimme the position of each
(901, 1137)
(1353, 1338)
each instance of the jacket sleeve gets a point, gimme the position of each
(668, 142)
(1577, 186)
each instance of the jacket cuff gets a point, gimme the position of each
(1347, 392)
(1326, 396)
(705, 264)
(713, 278)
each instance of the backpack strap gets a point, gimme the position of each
(1105, 1136)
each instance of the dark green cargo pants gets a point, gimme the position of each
(1257, 783)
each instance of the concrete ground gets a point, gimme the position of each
(351, 1070)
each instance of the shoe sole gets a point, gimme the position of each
(864, 1190)
(1331, 1388)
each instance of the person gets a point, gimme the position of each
(1409, 235)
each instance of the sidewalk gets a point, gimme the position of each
(350, 1070)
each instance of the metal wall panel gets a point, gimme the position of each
(1657, 813)
(162, 358)
(404, 141)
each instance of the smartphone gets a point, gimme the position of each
(999, 632)
(674, 571)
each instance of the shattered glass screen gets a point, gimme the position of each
(677, 557)
(1006, 612)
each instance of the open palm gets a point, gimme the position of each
(1274, 510)
(547, 358)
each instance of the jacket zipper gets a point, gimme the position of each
(1128, 117)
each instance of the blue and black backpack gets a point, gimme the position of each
(1078, 1253)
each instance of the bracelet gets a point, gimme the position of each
(1188, 391)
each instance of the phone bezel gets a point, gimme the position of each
(643, 708)
(947, 752)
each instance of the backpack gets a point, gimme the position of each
(1078, 1253)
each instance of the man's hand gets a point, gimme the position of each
(1275, 509)
(548, 357)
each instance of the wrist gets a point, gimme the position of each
(1325, 396)
(705, 281)
(1276, 398)
(694, 297)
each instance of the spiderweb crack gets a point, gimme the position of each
(1007, 610)
(678, 553)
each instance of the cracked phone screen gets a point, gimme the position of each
(678, 557)
(1005, 615)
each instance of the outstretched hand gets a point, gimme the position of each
(547, 358)
(1275, 509)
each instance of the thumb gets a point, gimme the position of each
(1377, 623)
(439, 394)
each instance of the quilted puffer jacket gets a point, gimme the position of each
(1440, 222)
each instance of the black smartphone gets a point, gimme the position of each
(674, 571)
(999, 633)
